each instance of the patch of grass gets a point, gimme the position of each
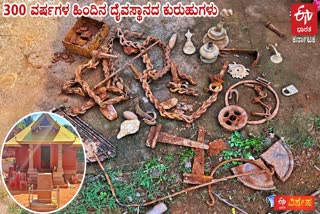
(13, 208)
(150, 175)
(88, 199)
(169, 158)
(309, 142)
(186, 155)
(316, 121)
(305, 140)
(276, 191)
(3, 193)
(241, 147)
(146, 183)
(252, 197)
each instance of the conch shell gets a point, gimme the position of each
(128, 127)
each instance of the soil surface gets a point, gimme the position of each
(30, 82)
(65, 195)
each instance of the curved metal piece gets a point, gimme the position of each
(276, 109)
(263, 169)
(253, 52)
(261, 181)
(280, 157)
(234, 91)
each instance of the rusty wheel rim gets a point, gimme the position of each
(233, 118)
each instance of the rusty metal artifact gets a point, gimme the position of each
(155, 135)
(85, 36)
(227, 51)
(170, 103)
(280, 157)
(262, 170)
(258, 85)
(94, 142)
(233, 118)
(215, 147)
(261, 181)
(111, 90)
(197, 176)
(209, 184)
(274, 29)
(148, 117)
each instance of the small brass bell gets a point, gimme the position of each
(209, 52)
(189, 48)
(217, 34)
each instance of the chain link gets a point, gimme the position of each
(101, 96)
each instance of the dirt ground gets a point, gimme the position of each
(30, 82)
(66, 194)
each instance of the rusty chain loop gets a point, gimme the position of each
(101, 94)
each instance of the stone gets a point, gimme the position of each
(129, 115)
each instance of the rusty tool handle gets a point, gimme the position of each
(180, 141)
(153, 136)
(274, 29)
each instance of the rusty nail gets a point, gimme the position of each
(274, 29)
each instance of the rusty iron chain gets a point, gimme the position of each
(100, 95)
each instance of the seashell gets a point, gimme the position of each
(109, 112)
(129, 115)
(128, 127)
(172, 41)
(169, 104)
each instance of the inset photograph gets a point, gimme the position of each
(43, 162)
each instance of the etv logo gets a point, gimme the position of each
(304, 19)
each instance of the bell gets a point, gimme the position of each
(209, 52)
(189, 48)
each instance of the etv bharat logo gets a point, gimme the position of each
(304, 20)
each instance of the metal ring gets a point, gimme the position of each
(276, 109)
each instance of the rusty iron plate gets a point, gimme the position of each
(197, 176)
(262, 181)
(215, 147)
(198, 160)
(280, 158)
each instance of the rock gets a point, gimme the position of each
(128, 127)
(129, 115)
(172, 41)
(158, 209)
(187, 164)
(156, 173)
